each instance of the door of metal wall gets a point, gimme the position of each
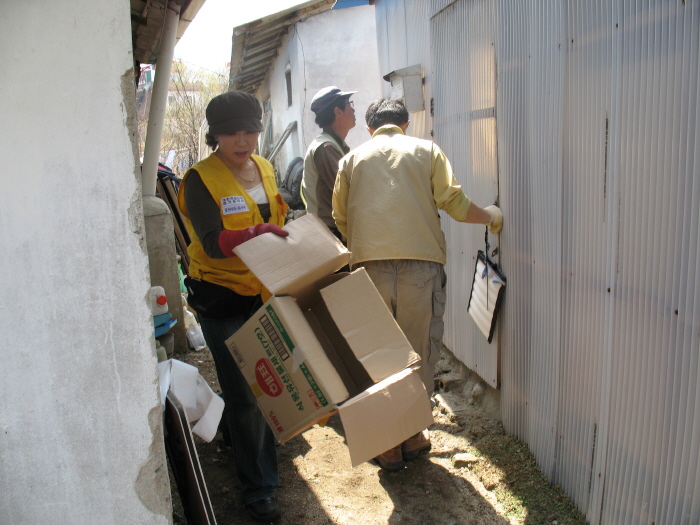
(464, 99)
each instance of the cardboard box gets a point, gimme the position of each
(327, 342)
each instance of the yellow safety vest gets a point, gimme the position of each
(241, 212)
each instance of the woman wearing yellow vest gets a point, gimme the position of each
(228, 198)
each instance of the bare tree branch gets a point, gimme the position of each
(189, 93)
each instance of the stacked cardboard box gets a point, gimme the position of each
(326, 342)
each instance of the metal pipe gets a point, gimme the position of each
(291, 127)
(159, 100)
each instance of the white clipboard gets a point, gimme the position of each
(487, 294)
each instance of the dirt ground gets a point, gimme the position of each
(474, 474)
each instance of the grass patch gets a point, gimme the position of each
(510, 471)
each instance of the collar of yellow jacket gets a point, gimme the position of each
(387, 128)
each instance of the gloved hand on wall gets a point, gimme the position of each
(496, 222)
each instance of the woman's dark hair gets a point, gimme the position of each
(386, 111)
(211, 141)
(326, 117)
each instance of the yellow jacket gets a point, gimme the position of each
(238, 211)
(387, 195)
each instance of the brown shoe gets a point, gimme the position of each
(391, 460)
(415, 445)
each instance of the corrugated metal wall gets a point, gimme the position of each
(652, 469)
(531, 76)
(464, 92)
(598, 110)
(594, 155)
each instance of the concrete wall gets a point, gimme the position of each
(158, 225)
(337, 47)
(80, 420)
(274, 88)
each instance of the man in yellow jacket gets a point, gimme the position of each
(385, 201)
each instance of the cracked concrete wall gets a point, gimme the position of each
(80, 426)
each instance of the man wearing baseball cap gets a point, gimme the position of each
(335, 115)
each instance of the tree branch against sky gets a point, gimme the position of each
(190, 91)
(200, 71)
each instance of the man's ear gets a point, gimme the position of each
(371, 130)
(404, 126)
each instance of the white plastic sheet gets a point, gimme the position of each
(199, 400)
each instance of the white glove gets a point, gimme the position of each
(496, 222)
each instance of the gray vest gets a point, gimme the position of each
(310, 178)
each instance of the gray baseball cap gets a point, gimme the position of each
(326, 97)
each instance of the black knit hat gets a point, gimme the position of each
(234, 111)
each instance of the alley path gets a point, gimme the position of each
(319, 486)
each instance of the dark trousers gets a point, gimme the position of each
(251, 438)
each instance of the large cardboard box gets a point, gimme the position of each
(327, 342)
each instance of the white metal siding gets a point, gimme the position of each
(598, 130)
(464, 93)
(652, 471)
(587, 229)
(597, 170)
(530, 104)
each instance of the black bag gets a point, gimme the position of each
(213, 300)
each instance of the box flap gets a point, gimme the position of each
(306, 298)
(289, 264)
(306, 349)
(368, 326)
(351, 371)
(385, 415)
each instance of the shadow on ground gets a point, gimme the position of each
(318, 486)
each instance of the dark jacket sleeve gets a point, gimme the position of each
(204, 214)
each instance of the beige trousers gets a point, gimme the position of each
(415, 293)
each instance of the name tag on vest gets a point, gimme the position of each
(235, 204)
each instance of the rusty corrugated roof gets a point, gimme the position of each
(255, 45)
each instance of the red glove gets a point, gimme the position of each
(266, 227)
(229, 239)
